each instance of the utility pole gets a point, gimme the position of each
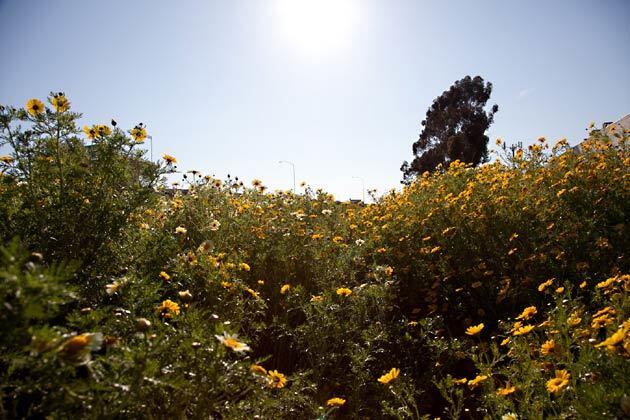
(513, 147)
(293, 169)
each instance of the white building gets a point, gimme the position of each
(613, 129)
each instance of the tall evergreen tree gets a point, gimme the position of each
(454, 129)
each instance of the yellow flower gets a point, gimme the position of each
(227, 284)
(60, 102)
(102, 130)
(506, 391)
(474, 383)
(606, 283)
(284, 289)
(257, 369)
(231, 341)
(335, 402)
(461, 381)
(168, 308)
(253, 293)
(389, 376)
(525, 329)
(170, 160)
(317, 298)
(474, 330)
(506, 341)
(180, 230)
(528, 312)
(78, 349)
(276, 379)
(608, 310)
(34, 106)
(448, 230)
(90, 132)
(548, 347)
(139, 134)
(574, 319)
(544, 285)
(75, 344)
(389, 271)
(614, 339)
(557, 384)
(344, 291)
(559, 290)
(244, 267)
(165, 276)
(601, 321)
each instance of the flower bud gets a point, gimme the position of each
(142, 324)
(185, 296)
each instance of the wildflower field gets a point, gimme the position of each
(493, 292)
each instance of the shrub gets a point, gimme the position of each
(127, 299)
(64, 198)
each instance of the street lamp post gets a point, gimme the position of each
(362, 186)
(151, 141)
(293, 169)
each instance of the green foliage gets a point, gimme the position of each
(126, 299)
(66, 199)
(564, 340)
(472, 244)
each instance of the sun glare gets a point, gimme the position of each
(317, 27)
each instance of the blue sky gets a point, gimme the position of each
(235, 86)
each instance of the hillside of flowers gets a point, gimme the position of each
(497, 292)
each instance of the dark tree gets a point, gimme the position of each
(454, 129)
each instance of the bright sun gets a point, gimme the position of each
(317, 27)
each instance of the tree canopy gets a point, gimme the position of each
(454, 129)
